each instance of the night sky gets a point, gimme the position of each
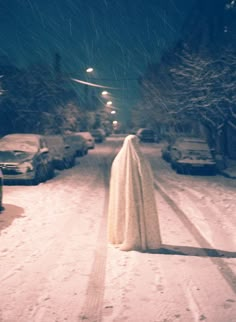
(118, 38)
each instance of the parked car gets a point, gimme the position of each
(146, 135)
(90, 141)
(191, 155)
(99, 135)
(63, 154)
(25, 158)
(77, 142)
(167, 148)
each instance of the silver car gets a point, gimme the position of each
(192, 155)
(25, 158)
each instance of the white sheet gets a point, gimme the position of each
(132, 214)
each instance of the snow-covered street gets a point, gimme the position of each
(56, 264)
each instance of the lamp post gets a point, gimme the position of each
(89, 70)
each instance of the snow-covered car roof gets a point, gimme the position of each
(86, 135)
(185, 145)
(74, 137)
(191, 143)
(25, 136)
(54, 139)
(23, 142)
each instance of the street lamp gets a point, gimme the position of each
(87, 90)
(109, 103)
(89, 70)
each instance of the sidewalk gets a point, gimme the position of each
(230, 170)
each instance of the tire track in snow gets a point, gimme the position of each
(223, 268)
(39, 309)
(92, 308)
(210, 207)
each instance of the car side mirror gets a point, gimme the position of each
(44, 150)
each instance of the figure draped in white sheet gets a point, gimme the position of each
(132, 214)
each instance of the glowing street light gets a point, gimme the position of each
(89, 70)
(113, 112)
(109, 103)
(104, 93)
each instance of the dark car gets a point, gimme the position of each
(63, 154)
(99, 135)
(25, 158)
(192, 155)
(146, 135)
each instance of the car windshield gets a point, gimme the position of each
(10, 155)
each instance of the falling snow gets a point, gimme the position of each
(117, 38)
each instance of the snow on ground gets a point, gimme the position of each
(56, 264)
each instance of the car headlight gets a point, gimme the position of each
(26, 166)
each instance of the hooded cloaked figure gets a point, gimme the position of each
(132, 214)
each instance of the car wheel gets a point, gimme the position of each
(179, 170)
(69, 163)
(50, 172)
(212, 171)
(37, 177)
(80, 153)
(66, 164)
(173, 166)
(72, 163)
